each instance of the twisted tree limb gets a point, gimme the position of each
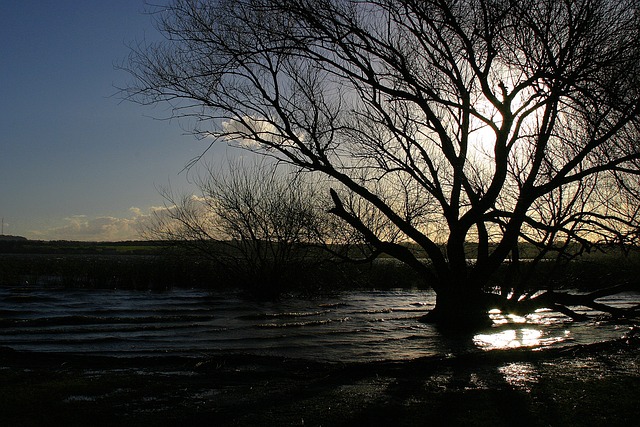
(563, 302)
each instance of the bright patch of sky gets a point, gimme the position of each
(76, 163)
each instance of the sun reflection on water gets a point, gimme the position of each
(539, 317)
(527, 331)
(515, 338)
(512, 331)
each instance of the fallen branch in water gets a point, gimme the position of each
(563, 302)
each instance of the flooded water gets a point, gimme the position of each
(350, 326)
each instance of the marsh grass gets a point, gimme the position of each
(153, 265)
(99, 272)
(165, 268)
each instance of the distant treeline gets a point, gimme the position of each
(7, 237)
(149, 247)
(134, 247)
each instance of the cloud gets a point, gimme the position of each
(248, 130)
(99, 228)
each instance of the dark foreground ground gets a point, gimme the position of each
(596, 385)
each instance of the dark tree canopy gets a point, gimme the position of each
(484, 121)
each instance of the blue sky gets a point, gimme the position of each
(76, 163)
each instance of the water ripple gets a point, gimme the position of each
(351, 326)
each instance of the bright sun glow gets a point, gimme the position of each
(482, 142)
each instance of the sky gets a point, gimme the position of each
(76, 161)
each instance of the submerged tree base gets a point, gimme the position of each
(448, 322)
(459, 312)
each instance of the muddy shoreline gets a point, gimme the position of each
(596, 384)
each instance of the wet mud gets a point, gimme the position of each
(596, 384)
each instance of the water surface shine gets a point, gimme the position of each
(351, 326)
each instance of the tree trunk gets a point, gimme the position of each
(459, 308)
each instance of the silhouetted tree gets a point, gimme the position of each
(257, 224)
(485, 121)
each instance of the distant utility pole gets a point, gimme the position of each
(2, 234)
